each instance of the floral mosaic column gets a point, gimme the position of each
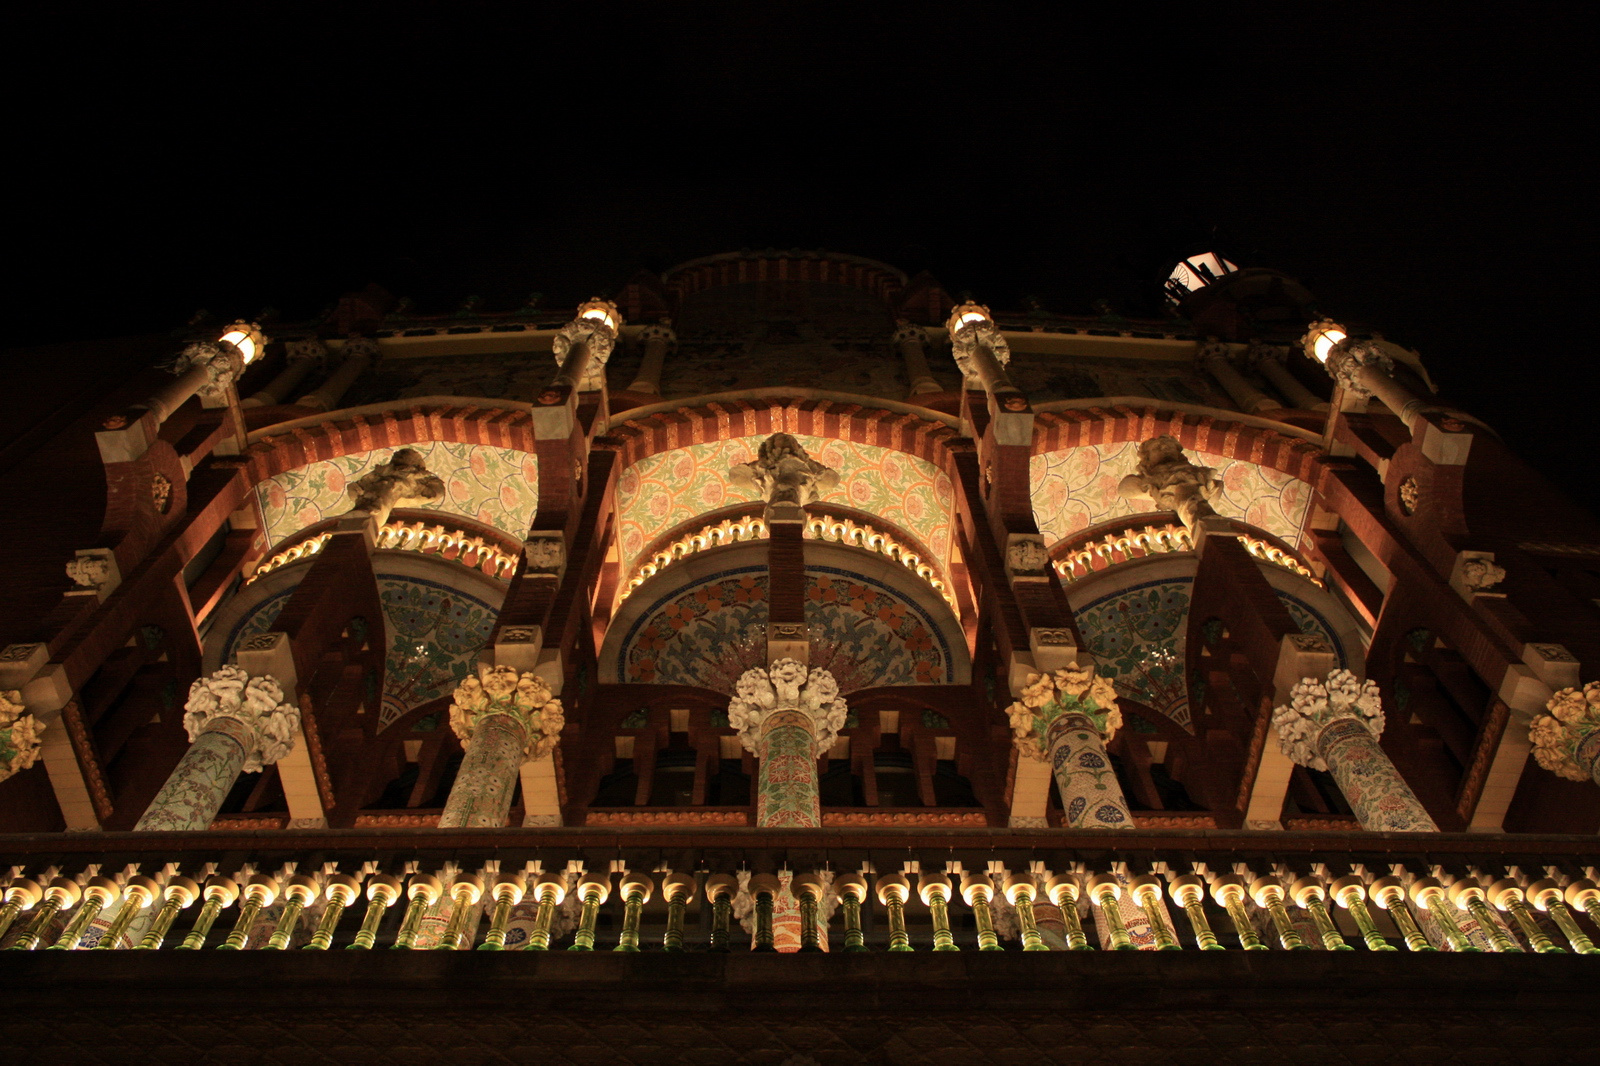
(502, 719)
(1334, 725)
(236, 724)
(1567, 740)
(787, 717)
(1066, 718)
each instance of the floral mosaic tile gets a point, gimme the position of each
(496, 486)
(435, 633)
(1137, 637)
(708, 634)
(658, 493)
(1077, 487)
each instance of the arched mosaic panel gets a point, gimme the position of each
(659, 492)
(435, 633)
(708, 633)
(1077, 488)
(496, 486)
(1137, 634)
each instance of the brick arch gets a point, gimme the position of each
(1059, 430)
(340, 433)
(717, 420)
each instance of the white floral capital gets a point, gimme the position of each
(786, 686)
(1574, 716)
(19, 735)
(257, 702)
(1046, 697)
(523, 696)
(1314, 705)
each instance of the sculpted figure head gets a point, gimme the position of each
(1167, 478)
(784, 473)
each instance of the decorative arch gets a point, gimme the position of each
(437, 616)
(1134, 621)
(675, 487)
(872, 622)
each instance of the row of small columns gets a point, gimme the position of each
(253, 892)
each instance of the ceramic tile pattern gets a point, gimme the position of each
(496, 486)
(434, 633)
(1077, 487)
(863, 631)
(658, 493)
(1137, 636)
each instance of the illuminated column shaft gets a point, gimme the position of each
(202, 779)
(1091, 796)
(481, 795)
(787, 786)
(1376, 792)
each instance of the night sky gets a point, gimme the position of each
(1435, 182)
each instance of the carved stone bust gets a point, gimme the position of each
(1167, 478)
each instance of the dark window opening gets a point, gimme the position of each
(838, 787)
(897, 778)
(950, 789)
(672, 784)
(619, 788)
(731, 785)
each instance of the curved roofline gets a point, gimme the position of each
(784, 253)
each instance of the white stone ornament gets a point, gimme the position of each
(1347, 360)
(19, 735)
(223, 363)
(1027, 555)
(786, 685)
(1313, 705)
(784, 474)
(89, 571)
(1167, 479)
(257, 702)
(403, 479)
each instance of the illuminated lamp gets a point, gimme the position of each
(1324, 336)
(247, 338)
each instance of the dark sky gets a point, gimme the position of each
(1433, 179)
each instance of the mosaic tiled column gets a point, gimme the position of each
(236, 724)
(787, 717)
(1334, 725)
(1567, 740)
(503, 719)
(1065, 718)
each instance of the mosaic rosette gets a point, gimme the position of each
(861, 630)
(663, 491)
(496, 486)
(1076, 488)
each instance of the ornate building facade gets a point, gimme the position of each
(784, 604)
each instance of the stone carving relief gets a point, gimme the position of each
(1563, 739)
(1481, 574)
(522, 696)
(223, 362)
(90, 571)
(1314, 705)
(1027, 555)
(257, 702)
(785, 475)
(518, 635)
(403, 479)
(19, 735)
(160, 493)
(1167, 478)
(1410, 496)
(545, 554)
(787, 686)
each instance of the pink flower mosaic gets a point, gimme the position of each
(1077, 487)
(659, 493)
(496, 486)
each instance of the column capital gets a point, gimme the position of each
(1072, 692)
(223, 364)
(786, 476)
(969, 326)
(908, 332)
(250, 709)
(1314, 705)
(595, 327)
(786, 693)
(304, 348)
(1171, 482)
(1566, 741)
(523, 697)
(19, 735)
(658, 331)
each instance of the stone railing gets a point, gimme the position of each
(582, 890)
(470, 550)
(1103, 550)
(817, 527)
